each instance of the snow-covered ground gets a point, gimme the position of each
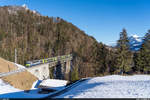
(54, 83)
(114, 86)
(8, 91)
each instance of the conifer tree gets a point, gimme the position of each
(124, 56)
(142, 61)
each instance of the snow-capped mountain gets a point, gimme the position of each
(135, 42)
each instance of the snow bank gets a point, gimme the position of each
(53, 83)
(115, 86)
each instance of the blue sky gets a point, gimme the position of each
(102, 19)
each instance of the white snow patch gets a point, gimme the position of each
(114, 86)
(139, 40)
(25, 6)
(54, 83)
(135, 36)
(20, 66)
(34, 11)
(33, 85)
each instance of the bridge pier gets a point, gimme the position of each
(59, 72)
(40, 71)
(68, 66)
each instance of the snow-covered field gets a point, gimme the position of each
(114, 86)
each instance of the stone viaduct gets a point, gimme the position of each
(61, 68)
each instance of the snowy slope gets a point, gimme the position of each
(115, 86)
(7, 91)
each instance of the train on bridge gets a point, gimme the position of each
(48, 60)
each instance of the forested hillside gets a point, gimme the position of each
(36, 37)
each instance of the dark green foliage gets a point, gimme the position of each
(2, 35)
(142, 58)
(112, 62)
(74, 75)
(101, 59)
(124, 56)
